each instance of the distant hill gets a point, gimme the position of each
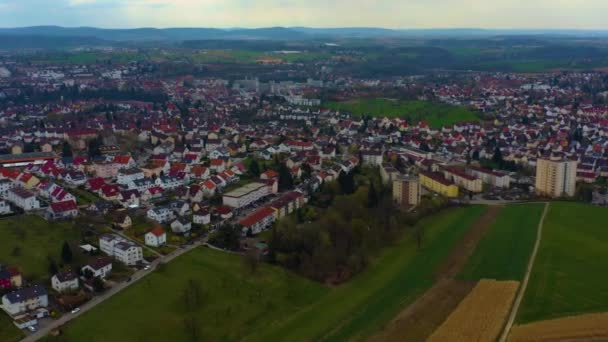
(271, 33)
(32, 41)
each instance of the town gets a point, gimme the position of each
(109, 170)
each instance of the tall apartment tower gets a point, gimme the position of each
(406, 192)
(556, 178)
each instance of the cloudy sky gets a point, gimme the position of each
(575, 14)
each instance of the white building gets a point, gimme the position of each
(126, 176)
(156, 237)
(181, 225)
(24, 300)
(372, 158)
(201, 217)
(161, 214)
(5, 208)
(123, 250)
(494, 178)
(246, 195)
(22, 198)
(101, 268)
(65, 282)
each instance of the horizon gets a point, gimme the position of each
(391, 14)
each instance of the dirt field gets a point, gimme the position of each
(419, 320)
(588, 327)
(481, 315)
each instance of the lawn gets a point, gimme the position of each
(569, 274)
(436, 114)
(273, 305)
(26, 242)
(84, 197)
(504, 252)
(8, 331)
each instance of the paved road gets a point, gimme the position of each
(524, 283)
(108, 294)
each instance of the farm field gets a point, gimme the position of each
(238, 305)
(481, 315)
(504, 252)
(569, 275)
(360, 308)
(588, 327)
(417, 321)
(436, 114)
(26, 241)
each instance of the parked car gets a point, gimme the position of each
(76, 310)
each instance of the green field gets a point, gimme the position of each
(504, 252)
(569, 274)
(436, 114)
(272, 305)
(8, 331)
(26, 241)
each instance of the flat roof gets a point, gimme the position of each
(6, 158)
(244, 190)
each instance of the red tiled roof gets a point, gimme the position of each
(157, 231)
(256, 217)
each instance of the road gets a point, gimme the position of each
(109, 293)
(524, 283)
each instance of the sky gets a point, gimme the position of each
(503, 14)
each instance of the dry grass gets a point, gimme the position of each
(481, 315)
(588, 327)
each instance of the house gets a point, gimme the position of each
(64, 282)
(123, 250)
(436, 183)
(5, 208)
(161, 214)
(121, 219)
(201, 217)
(123, 161)
(156, 237)
(217, 165)
(62, 210)
(100, 268)
(270, 174)
(129, 198)
(75, 178)
(10, 278)
(181, 226)
(373, 158)
(22, 198)
(109, 192)
(24, 300)
(105, 169)
(126, 176)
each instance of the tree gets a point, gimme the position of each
(254, 169)
(192, 329)
(98, 284)
(67, 150)
(347, 182)
(372, 196)
(192, 295)
(285, 178)
(66, 253)
(227, 237)
(53, 269)
(497, 157)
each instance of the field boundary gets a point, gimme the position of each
(524, 283)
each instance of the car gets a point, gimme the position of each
(147, 267)
(76, 310)
(32, 328)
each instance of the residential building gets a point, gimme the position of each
(463, 180)
(556, 178)
(24, 300)
(100, 268)
(64, 282)
(436, 183)
(258, 221)
(373, 158)
(407, 192)
(156, 237)
(245, 195)
(494, 178)
(22, 198)
(123, 250)
(161, 214)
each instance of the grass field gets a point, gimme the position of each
(569, 274)
(436, 114)
(26, 241)
(273, 305)
(8, 331)
(504, 252)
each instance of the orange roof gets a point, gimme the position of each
(158, 231)
(256, 217)
(217, 162)
(122, 159)
(271, 174)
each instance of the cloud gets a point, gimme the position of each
(318, 13)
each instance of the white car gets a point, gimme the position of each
(76, 310)
(32, 328)
(147, 267)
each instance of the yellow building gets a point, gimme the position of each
(406, 192)
(556, 178)
(436, 183)
(463, 180)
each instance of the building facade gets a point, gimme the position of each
(406, 192)
(556, 178)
